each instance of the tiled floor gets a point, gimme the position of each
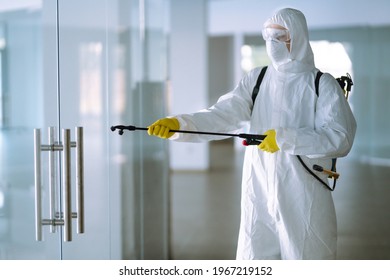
(206, 209)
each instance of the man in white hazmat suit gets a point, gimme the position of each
(285, 212)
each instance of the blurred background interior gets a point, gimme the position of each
(98, 63)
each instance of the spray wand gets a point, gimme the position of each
(249, 139)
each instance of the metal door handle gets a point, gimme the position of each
(64, 217)
(37, 182)
(52, 177)
(80, 179)
(66, 185)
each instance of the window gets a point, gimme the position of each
(1, 89)
(253, 56)
(2, 73)
(331, 57)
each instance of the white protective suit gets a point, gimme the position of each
(286, 212)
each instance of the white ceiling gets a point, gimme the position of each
(9, 5)
(236, 16)
(247, 16)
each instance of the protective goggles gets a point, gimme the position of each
(275, 34)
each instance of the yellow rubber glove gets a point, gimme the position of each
(162, 127)
(269, 143)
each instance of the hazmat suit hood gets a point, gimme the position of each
(300, 58)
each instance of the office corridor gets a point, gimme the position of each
(206, 208)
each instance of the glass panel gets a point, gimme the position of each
(104, 64)
(113, 70)
(138, 88)
(150, 98)
(82, 58)
(22, 33)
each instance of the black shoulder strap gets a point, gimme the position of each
(258, 83)
(317, 82)
(261, 76)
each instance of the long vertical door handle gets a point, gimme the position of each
(38, 183)
(80, 179)
(52, 177)
(66, 185)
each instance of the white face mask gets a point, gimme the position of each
(278, 53)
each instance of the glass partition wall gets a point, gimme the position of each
(70, 188)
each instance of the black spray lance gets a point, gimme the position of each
(249, 139)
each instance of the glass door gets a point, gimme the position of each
(22, 33)
(80, 32)
(113, 70)
(69, 71)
